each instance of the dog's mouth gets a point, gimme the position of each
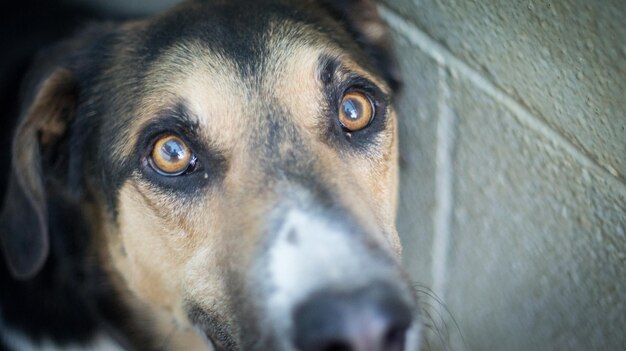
(210, 341)
(321, 329)
(374, 318)
(211, 329)
(206, 340)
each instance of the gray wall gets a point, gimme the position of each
(513, 200)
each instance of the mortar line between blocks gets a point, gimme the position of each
(444, 178)
(444, 57)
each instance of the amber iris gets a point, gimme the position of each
(171, 156)
(355, 111)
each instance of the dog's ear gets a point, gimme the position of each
(24, 218)
(361, 19)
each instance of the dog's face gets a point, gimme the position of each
(239, 172)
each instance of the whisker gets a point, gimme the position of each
(442, 321)
(434, 309)
(421, 288)
(436, 329)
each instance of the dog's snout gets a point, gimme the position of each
(369, 319)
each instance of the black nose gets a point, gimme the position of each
(369, 319)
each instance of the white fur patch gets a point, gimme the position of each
(309, 254)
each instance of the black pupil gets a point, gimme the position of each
(173, 151)
(352, 109)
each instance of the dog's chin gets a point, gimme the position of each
(411, 342)
(212, 341)
(217, 343)
(205, 340)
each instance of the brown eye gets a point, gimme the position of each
(356, 111)
(171, 156)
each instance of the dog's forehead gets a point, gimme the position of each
(240, 31)
(230, 67)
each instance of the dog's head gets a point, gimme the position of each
(237, 164)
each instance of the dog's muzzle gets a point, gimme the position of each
(330, 286)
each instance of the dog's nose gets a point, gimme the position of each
(370, 319)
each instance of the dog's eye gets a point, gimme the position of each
(171, 156)
(355, 111)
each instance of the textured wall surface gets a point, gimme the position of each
(513, 202)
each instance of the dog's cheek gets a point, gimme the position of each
(144, 262)
(371, 184)
(389, 188)
(168, 265)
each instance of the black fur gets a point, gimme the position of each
(70, 299)
(50, 304)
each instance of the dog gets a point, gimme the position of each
(220, 176)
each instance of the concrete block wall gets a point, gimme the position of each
(513, 182)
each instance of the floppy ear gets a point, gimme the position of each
(24, 217)
(361, 19)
